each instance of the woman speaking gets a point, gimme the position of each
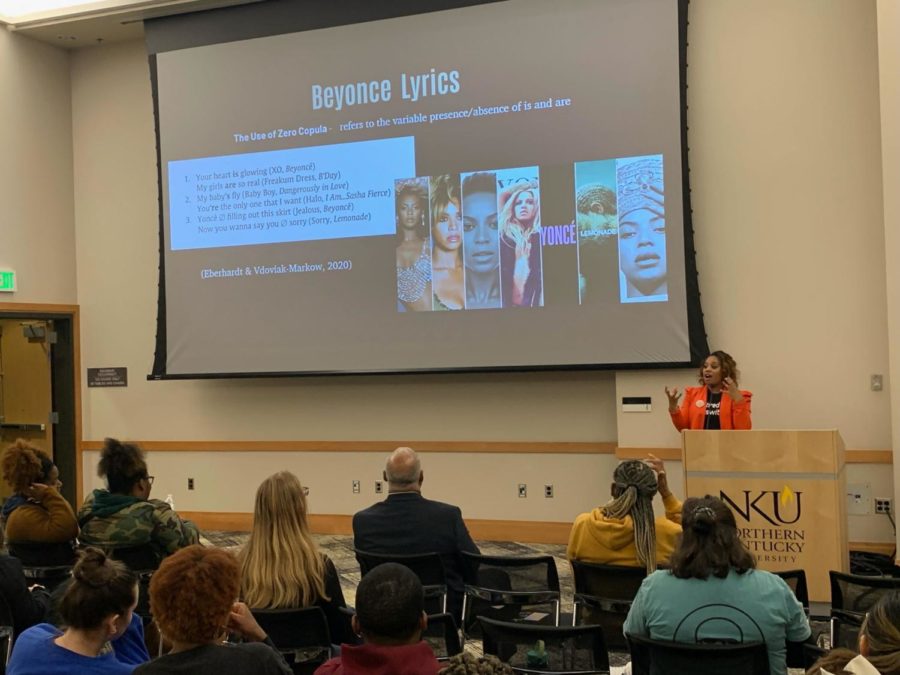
(718, 404)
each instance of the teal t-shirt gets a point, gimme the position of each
(745, 607)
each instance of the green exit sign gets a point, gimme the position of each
(7, 281)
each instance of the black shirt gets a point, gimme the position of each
(713, 404)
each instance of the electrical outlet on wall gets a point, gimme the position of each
(379, 487)
(883, 505)
(523, 490)
(190, 483)
(356, 487)
(548, 491)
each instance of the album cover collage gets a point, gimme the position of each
(475, 240)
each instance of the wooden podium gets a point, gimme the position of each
(787, 490)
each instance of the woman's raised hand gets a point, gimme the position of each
(732, 389)
(673, 395)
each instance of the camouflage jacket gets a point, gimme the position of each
(116, 521)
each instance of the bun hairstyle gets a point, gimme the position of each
(99, 588)
(122, 464)
(24, 464)
(634, 485)
(709, 544)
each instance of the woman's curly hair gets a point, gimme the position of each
(192, 592)
(24, 464)
(727, 363)
(122, 464)
(466, 664)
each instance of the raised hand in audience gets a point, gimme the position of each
(662, 483)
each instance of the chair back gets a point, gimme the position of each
(664, 657)
(7, 631)
(6, 636)
(603, 596)
(516, 574)
(49, 577)
(509, 588)
(301, 635)
(853, 593)
(796, 581)
(427, 566)
(37, 554)
(845, 627)
(143, 558)
(567, 649)
(442, 636)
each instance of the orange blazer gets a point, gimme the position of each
(692, 412)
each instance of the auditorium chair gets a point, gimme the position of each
(300, 635)
(566, 649)
(851, 597)
(796, 581)
(6, 634)
(427, 566)
(603, 596)
(664, 657)
(35, 554)
(442, 636)
(503, 587)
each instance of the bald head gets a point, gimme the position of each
(403, 471)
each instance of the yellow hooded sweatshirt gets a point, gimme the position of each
(610, 541)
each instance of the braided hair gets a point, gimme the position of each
(634, 484)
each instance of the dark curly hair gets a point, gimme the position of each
(466, 664)
(122, 464)
(389, 604)
(709, 544)
(192, 592)
(100, 587)
(24, 464)
(727, 363)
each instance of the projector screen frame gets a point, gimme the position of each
(279, 17)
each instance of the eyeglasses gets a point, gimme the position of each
(305, 491)
(149, 479)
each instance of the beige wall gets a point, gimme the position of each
(37, 235)
(786, 176)
(889, 72)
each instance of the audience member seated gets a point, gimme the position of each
(36, 515)
(103, 635)
(466, 664)
(879, 644)
(406, 524)
(390, 616)
(28, 606)
(124, 516)
(625, 531)
(281, 566)
(714, 593)
(192, 599)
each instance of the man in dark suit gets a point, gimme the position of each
(406, 523)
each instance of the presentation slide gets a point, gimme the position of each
(497, 186)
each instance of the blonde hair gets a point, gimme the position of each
(509, 224)
(281, 565)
